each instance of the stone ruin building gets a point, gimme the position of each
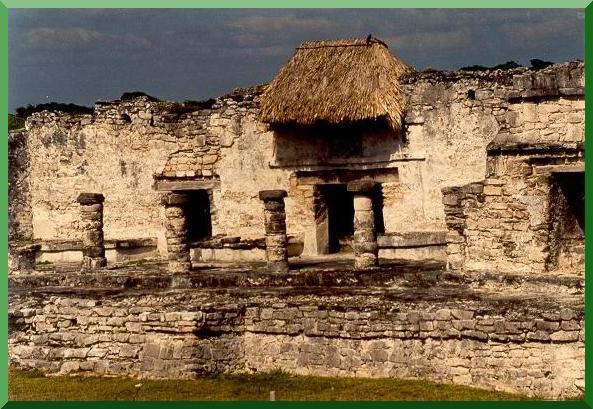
(354, 217)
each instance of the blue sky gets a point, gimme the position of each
(83, 55)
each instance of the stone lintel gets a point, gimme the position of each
(90, 198)
(361, 186)
(547, 169)
(25, 248)
(272, 195)
(173, 185)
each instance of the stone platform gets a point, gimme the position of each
(516, 333)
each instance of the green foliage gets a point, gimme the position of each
(24, 112)
(506, 66)
(14, 122)
(128, 96)
(538, 64)
(33, 386)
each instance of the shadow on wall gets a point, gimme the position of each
(567, 219)
(335, 144)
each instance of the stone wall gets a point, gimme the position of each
(123, 145)
(507, 221)
(20, 224)
(531, 340)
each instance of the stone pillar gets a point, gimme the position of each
(91, 212)
(365, 236)
(177, 245)
(275, 219)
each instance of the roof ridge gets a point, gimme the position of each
(352, 42)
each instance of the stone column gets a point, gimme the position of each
(91, 212)
(275, 219)
(365, 235)
(177, 245)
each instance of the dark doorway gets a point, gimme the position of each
(199, 221)
(567, 219)
(377, 198)
(340, 207)
(335, 218)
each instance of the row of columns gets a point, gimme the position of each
(364, 239)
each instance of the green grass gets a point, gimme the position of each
(34, 386)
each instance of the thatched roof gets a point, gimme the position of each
(336, 82)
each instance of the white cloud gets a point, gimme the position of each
(539, 31)
(266, 24)
(429, 40)
(79, 38)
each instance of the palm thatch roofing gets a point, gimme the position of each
(336, 82)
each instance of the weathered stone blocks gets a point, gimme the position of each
(275, 224)
(159, 335)
(91, 213)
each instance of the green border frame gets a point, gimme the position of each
(578, 4)
(6, 4)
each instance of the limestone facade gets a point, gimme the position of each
(528, 213)
(133, 151)
(486, 176)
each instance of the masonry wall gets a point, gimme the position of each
(20, 219)
(118, 150)
(530, 346)
(104, 153)
(506, 222)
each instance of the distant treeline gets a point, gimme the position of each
(536, 64)
(187, 106)
(24, 112)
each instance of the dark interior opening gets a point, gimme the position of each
(197, 213)
(471, 94)
(572, 187)
(340, 215)
(567, 218)
(334, 217)
(377, 198)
